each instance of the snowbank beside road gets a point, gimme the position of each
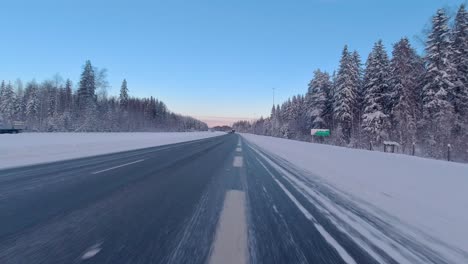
(31, 148)
(430, 195)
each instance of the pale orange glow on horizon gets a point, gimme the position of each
(221, 121)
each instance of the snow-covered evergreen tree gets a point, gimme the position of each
(87, 99)
(52, 107)
(68, 96)
(294, 117)
(123, 98)
(358, 110)
(279, 120)
(2, 93)
(328, 106)
(273, 112)
(408, 99)
(300, 117)
(32, 106)
(459, 96)
(438, 86)
(406, 70)
(20, 101)
(345, 98)
(375, 121)
(8, 102)
(86, 90)
(274, 121)
(316, 99)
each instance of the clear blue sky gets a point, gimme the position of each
(203, 58)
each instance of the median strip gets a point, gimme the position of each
(126, 164)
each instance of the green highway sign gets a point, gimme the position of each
(320, 132)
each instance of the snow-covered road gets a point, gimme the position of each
(248, 199)
(32, 148)
(410, 204)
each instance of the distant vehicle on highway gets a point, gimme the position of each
(232, 131)
(14, 128)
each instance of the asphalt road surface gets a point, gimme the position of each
(216, 200)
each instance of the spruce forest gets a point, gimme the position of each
(406, 98)
(54, 106)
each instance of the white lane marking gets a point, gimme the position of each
(296, 202)
(293, 199)
(239, 149)
(341, 251)
(126, 164)
(238, 161)
(230, 244)
(92, 251)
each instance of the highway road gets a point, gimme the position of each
(216, 200)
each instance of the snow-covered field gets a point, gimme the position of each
(430, 196)
(31, 148)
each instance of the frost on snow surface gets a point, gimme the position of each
(420, 201)
(32, 148)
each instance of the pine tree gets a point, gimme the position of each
(438, 84)
(32, 106)
(68, 98)
(358, 110)
(459, 97)
(278, 113)
(8, 103)
(86, 91)
(300, 126)
(328, 107)
(316, 99)
(345, 98)
(2, 94)
(20, 101)
(124, 95)
(406, 70)
(375, 121)
(286, 116)
(87, 107)
(272, 121)
(330, 103)
(52, 106)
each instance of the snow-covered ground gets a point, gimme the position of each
(31, 148)
(429, 196)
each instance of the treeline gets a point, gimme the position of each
(406, 98)
(54, 105)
